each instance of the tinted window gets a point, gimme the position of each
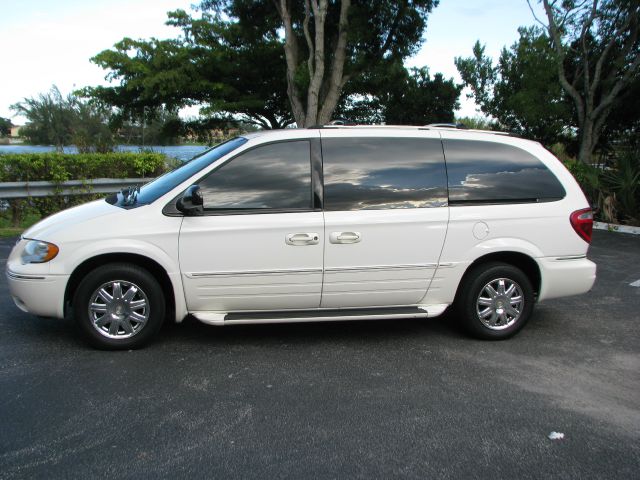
(167, 182)
(380, 173)
(271, 176)
(494, 172)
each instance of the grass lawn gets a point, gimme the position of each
(9, 231)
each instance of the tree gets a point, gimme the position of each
(521, 91)
(597, 57)
(478, 123)
(392, 94)
(214, 63)
(5, 127)
(54, 119)
(623, 122)
(50, 118)
(422, 100)
(328, 43)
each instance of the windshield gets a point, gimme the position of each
(167, 182)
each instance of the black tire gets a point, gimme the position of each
(467, 306)
(148, 292)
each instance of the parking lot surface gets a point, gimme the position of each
(378, 399)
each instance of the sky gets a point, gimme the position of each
(48, 42)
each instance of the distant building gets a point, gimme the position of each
(15, 131)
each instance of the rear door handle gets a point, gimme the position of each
(345, 237)
(303, 238)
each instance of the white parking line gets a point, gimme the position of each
(635, 284)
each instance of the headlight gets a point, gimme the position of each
(36, 251)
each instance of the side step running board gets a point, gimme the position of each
(319, 315)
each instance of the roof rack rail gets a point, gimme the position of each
(338, 122)
(452, 126)
(462, 126)
(459, 126)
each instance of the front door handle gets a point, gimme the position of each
(304, 238)
(345, 237)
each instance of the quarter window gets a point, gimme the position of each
(273, 176)
(381, 173)
(486, 172)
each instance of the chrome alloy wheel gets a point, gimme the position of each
(500, 303)
(118, 309)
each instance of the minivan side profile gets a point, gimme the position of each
(319, 224)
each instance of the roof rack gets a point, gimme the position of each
(462, 126)
(459, 126)
(435, 126)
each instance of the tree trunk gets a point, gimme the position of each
(323, 92)
(585, 151)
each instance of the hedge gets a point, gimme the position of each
(60, 167)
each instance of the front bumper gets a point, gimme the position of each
(38, 294)
(565, 276)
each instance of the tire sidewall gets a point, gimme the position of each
(125, 272)
(475, 282)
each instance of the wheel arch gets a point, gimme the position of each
(147, 263)
(520, 260)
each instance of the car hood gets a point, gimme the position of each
(46, 229)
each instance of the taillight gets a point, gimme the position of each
(582, 223)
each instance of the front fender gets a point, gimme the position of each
(74, 257)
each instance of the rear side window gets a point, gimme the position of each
(272, 176)
(486, 172)
(382, 173)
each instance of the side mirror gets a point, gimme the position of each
(190, 203)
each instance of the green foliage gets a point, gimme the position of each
(50, 118)
(624, 182)
(223, 67)
(582, 87)
(60, 167)
(91, 131)
(394, 95)
(354, 42)
(229, 58)
(5, 127)
(57, 120)
(478, 123)
(623, 122)
(378, 29)
(157, 127)
(422, 99)
(522, 92)
(616, 191)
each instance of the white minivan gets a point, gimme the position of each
(319, 224)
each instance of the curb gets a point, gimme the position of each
(612, 227)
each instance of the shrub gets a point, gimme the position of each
(624, 183)
(60, 167)
(615, 191)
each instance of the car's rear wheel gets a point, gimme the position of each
(495, 301)
(119, 306)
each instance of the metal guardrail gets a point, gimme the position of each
(70, 187)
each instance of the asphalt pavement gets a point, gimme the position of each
(378, 399)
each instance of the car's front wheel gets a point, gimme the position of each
(119, 306)
(495, 301)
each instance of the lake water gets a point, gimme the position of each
(181, 152)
